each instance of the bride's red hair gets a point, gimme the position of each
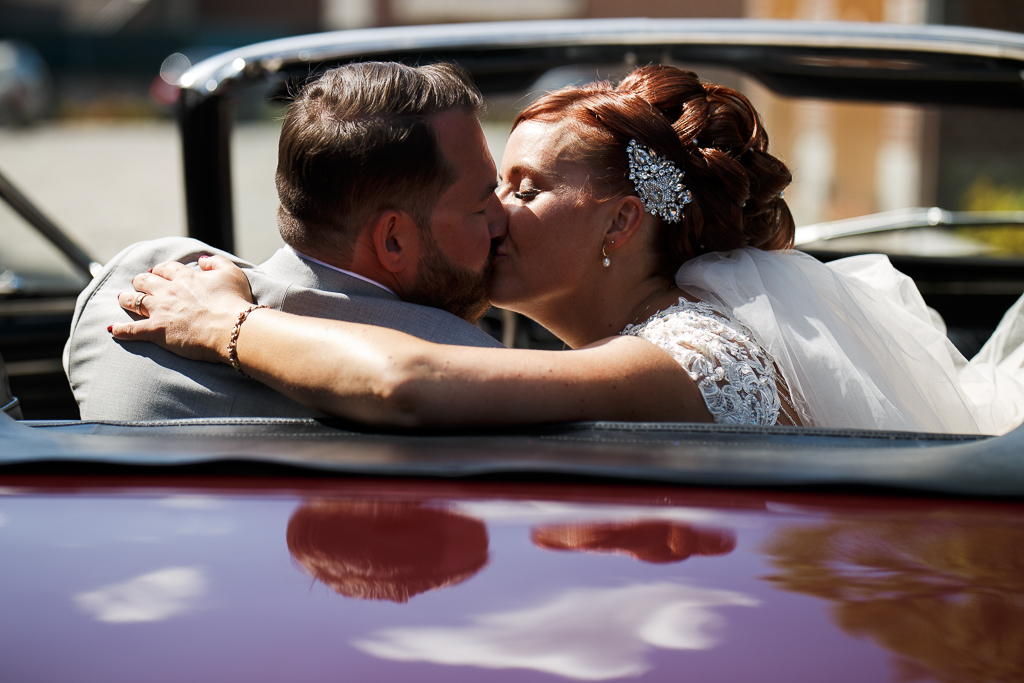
(711, 132)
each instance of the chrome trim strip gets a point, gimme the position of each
(37, 306)
(29, 368)
(206, 77)
(900, 219)
(10, 407)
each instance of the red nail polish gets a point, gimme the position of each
(110, 329)
(205, 256)
(151, 270)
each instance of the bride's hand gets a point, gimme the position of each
(190, 312)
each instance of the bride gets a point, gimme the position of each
(647, 230)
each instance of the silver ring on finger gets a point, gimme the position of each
(138, 303)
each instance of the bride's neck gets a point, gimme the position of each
(601, 312)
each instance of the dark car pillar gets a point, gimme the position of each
(205, 125)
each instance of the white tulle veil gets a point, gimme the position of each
(857, 344)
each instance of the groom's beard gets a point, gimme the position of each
(441, 284)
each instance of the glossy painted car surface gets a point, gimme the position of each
(161, 579)
(261, 549)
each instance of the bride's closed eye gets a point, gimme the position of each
(526, 194)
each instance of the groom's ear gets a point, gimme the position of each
(396, 241)
(627, 214)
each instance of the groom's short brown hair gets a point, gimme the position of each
(357, 141)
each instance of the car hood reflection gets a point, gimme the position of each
(648, 541)
(386, 550)
(945, 594)
(586, 634)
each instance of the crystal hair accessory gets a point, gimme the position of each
(658, 181)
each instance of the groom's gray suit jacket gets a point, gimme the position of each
(114, 380)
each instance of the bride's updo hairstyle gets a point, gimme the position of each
(710, 132)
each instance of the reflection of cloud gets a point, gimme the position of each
(151, 597)
(143, 539)
(206, 526)
(198, 524)
(589, 634)
(191, 502)
(546, 512)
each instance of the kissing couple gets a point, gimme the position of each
(642, 223)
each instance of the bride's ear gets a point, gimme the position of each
(627, 217)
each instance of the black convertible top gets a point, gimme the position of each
(706, 455)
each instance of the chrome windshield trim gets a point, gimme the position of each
(10, 407)
(22, 206)
(901, 219)
(208, 76)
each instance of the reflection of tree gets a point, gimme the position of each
(650, 541)
(386, 550)
(945, 593)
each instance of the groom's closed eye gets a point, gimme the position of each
(488, 191)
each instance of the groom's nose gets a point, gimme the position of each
(497, 219)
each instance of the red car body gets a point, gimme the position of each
(214, 578)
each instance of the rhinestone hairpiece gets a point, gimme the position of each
(658, 181)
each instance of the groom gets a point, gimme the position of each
(387, 211)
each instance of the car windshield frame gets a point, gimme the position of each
(843, 61)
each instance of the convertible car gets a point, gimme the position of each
(266, 549)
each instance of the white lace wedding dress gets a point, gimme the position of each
(850, 344)
(738, 380)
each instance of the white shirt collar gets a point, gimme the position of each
(340, 270)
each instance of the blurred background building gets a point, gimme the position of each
(90, 120)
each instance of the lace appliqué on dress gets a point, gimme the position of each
(736, 377)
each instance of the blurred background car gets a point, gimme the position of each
(25, 84)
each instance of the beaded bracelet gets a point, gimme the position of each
(233, 343)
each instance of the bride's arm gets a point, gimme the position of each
(378, 375)
(382, 376)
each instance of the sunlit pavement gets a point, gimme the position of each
(111, 184)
